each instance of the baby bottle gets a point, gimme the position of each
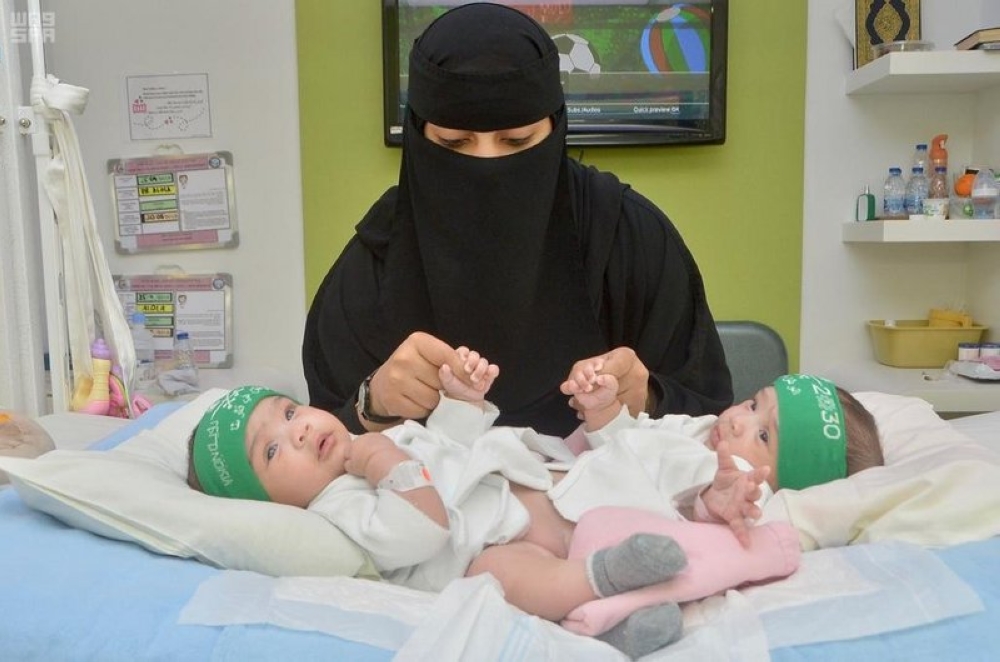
(93, 395)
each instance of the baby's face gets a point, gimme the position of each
(751, 429)
(294, 449)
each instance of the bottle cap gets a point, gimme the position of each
(100, 350)
(182, 335)
(139, 318)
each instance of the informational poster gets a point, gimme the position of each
(199, 304)
(168, 106)
(177, 201)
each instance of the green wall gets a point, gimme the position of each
(738, 205)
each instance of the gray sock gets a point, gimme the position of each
(646, 630)
(640, 560)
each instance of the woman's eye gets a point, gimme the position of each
(457, 143)
(764, 436)
(270, 451)
(518, 142)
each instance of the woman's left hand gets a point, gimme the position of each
(627, 368)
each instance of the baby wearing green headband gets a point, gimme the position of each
(825, 435)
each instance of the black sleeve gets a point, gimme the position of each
(656, 304)
(339, 348)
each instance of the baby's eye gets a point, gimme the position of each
(753, 404)
(289, 412)
(269, 452)
(764, 436)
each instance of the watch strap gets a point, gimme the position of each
(364, 405)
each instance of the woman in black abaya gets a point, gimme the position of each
(496, 240)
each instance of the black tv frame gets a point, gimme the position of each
(663, 132)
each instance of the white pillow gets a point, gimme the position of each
(138, 492)
(938, 486)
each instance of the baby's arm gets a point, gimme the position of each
(471, 386)
(596, 395)
(732, 496)
(374, 456)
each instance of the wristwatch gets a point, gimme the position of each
(364, 405)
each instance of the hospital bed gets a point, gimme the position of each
(75, 590)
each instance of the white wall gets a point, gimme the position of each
(851, 142)
(248, 50)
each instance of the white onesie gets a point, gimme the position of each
(641, 463)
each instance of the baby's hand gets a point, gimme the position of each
(474, 382)
(371, 456)
(590, 390)
(601, 392)
(733, 494)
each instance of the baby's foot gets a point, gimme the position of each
(646, 630)
(640, 560)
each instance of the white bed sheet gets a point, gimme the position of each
(75, 431)
(983, 428)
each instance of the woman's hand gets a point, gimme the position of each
(627, 369)
(408, 384)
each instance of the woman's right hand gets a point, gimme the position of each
(407, 384)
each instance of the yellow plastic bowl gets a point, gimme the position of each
(914, 344)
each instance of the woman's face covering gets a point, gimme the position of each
(489, 144)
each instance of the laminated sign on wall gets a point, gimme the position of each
(172, 202)
(199, 304)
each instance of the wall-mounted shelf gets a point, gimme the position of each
(887, 232)
(947, 392)
(931, 72)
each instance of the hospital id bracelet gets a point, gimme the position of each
(364, 405)
(405, 476)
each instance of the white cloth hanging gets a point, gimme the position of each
(92, 306)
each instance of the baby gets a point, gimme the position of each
(825, 434)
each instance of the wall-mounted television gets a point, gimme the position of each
(634, 72)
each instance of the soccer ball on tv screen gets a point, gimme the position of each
(576, 54)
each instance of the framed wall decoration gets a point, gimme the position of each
(882, 21)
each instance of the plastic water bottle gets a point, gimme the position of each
(916, 191)
(183, 352)
(145, 354)
(938, 188)
(894, 195)
(921, 157)
(985, 191)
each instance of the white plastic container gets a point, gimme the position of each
(985, 192)
(145, 354)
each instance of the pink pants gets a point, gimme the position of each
(716, 561)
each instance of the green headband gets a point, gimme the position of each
(813, 437)
(219, 450)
